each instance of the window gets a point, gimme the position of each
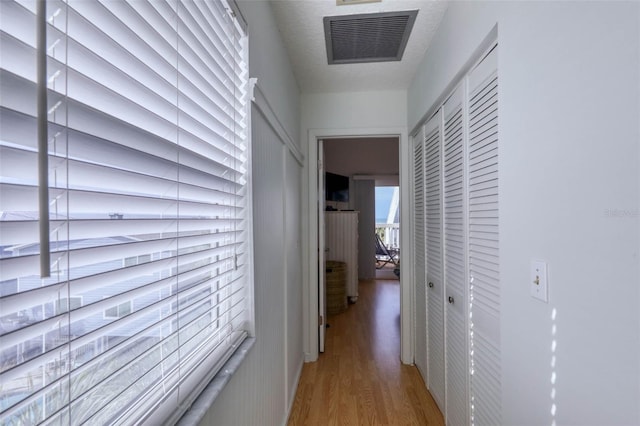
(65, 304)
(387, 211)
(136, 260)
(124, 159)
(118, 311)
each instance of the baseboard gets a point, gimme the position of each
(292, 397)
(310, 358)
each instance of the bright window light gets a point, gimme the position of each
(145, 114)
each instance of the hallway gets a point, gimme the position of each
(360, 379)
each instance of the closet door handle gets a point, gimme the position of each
(430, 285)
(451, 299)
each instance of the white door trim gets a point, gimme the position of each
(310, 293)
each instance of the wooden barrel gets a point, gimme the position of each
(336, 285)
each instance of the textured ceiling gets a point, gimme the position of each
(301, 26)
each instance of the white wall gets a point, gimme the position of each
(269, 62)
(364, 192)
(262, 389)
(355, 110)
(293, 259)
(344, 115)
(569, 194)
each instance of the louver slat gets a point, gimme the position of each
(484, 260)
(457, 412)
(435, 283)
(420, 255)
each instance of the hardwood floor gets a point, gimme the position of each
(359, 379)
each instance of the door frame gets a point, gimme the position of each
(310, 289)
(322, 244)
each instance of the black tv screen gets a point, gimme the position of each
(336, 187)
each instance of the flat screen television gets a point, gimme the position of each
(336, 187)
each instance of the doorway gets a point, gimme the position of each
(387, 232)
(356, 160)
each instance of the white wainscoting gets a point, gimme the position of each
(262, 390)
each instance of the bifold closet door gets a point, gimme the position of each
(435, 283)
(483, 242)
(419, 253)
(455, 271)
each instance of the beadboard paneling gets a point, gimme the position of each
(260, 391)
(293, 322)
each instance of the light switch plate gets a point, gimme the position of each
(538, 280)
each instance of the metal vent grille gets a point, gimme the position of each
(371, 37)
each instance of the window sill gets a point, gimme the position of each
(201, 405)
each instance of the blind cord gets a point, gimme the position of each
(43, 160)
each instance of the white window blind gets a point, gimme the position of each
(148, 190)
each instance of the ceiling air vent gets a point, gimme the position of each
(370, 37)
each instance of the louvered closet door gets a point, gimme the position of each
(454, 263)
(483, 242)
(435, 284)
(419, 251)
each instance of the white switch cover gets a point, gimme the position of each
(538, 280)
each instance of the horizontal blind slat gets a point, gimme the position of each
(17, 371)
(147, 154)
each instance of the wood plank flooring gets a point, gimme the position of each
(359, 379)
